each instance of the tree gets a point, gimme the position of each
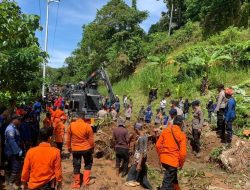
(217, 15)
(113, 37)
(20, 54)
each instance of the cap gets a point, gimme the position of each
(120, 122)
(229, 91)
(16, 117)
(173, 112)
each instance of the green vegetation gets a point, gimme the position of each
(215, 154)
(114, 37)
(20, 54)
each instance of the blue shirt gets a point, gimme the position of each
(117, 106)
(165, 120)
(148, 115)
(230, 113)
(12, 140)
(26, 131)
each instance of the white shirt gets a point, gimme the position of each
(163, 103)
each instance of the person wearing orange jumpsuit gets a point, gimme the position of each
(80, 141)
(42, 165)
(171, 148)
(59, 131)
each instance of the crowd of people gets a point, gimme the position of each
(34, 148)
(170, 133)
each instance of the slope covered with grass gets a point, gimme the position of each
(224, 58)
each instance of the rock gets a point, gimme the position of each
(247, 185)
(237, 158)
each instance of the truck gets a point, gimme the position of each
(85, 97)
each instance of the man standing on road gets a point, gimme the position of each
(80, 141)
(42, 165)
(102, 114)
(230, 114)
(13, 151)
(197, 124)
(121, 142)
(220, 110)
(59, 131)
(171, 148)
(175, 106)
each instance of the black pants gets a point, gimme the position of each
(77, 159)
(140, 177)
(229, 129)
(196, 140)
(59, 146)
(210, 116)
(47, 186)
(13, 168)
(221, 121)
(170, 177)
(122, 154)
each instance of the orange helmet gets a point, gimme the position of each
(229, 91)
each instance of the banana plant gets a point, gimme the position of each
(161, 61)
(208, 59)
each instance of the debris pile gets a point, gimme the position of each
(237, 158)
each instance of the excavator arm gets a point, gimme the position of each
(104, 77)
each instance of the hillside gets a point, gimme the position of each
(230, 50)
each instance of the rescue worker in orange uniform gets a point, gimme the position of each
(80, 141)
(57, 115)
(171, 148)
(59, 131)
(47, 122)
(42, 165)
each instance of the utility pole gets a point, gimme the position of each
(46, 41)
(171, 19)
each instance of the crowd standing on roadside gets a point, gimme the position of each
(35, 152)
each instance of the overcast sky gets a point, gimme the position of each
(71, 15)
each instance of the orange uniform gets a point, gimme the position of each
(42, 164)
(168, 149)
(57, 115)
(80, 136)
(47, 122)
(59, 132)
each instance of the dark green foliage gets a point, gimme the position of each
(160, 42)
(217, 15)
(20, 54)
(114, 37)
(225, 49)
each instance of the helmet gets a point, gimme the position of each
(229, 91)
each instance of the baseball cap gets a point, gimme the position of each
(229, 91)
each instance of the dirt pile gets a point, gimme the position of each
(237, 158)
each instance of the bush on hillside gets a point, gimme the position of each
(161, 43)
